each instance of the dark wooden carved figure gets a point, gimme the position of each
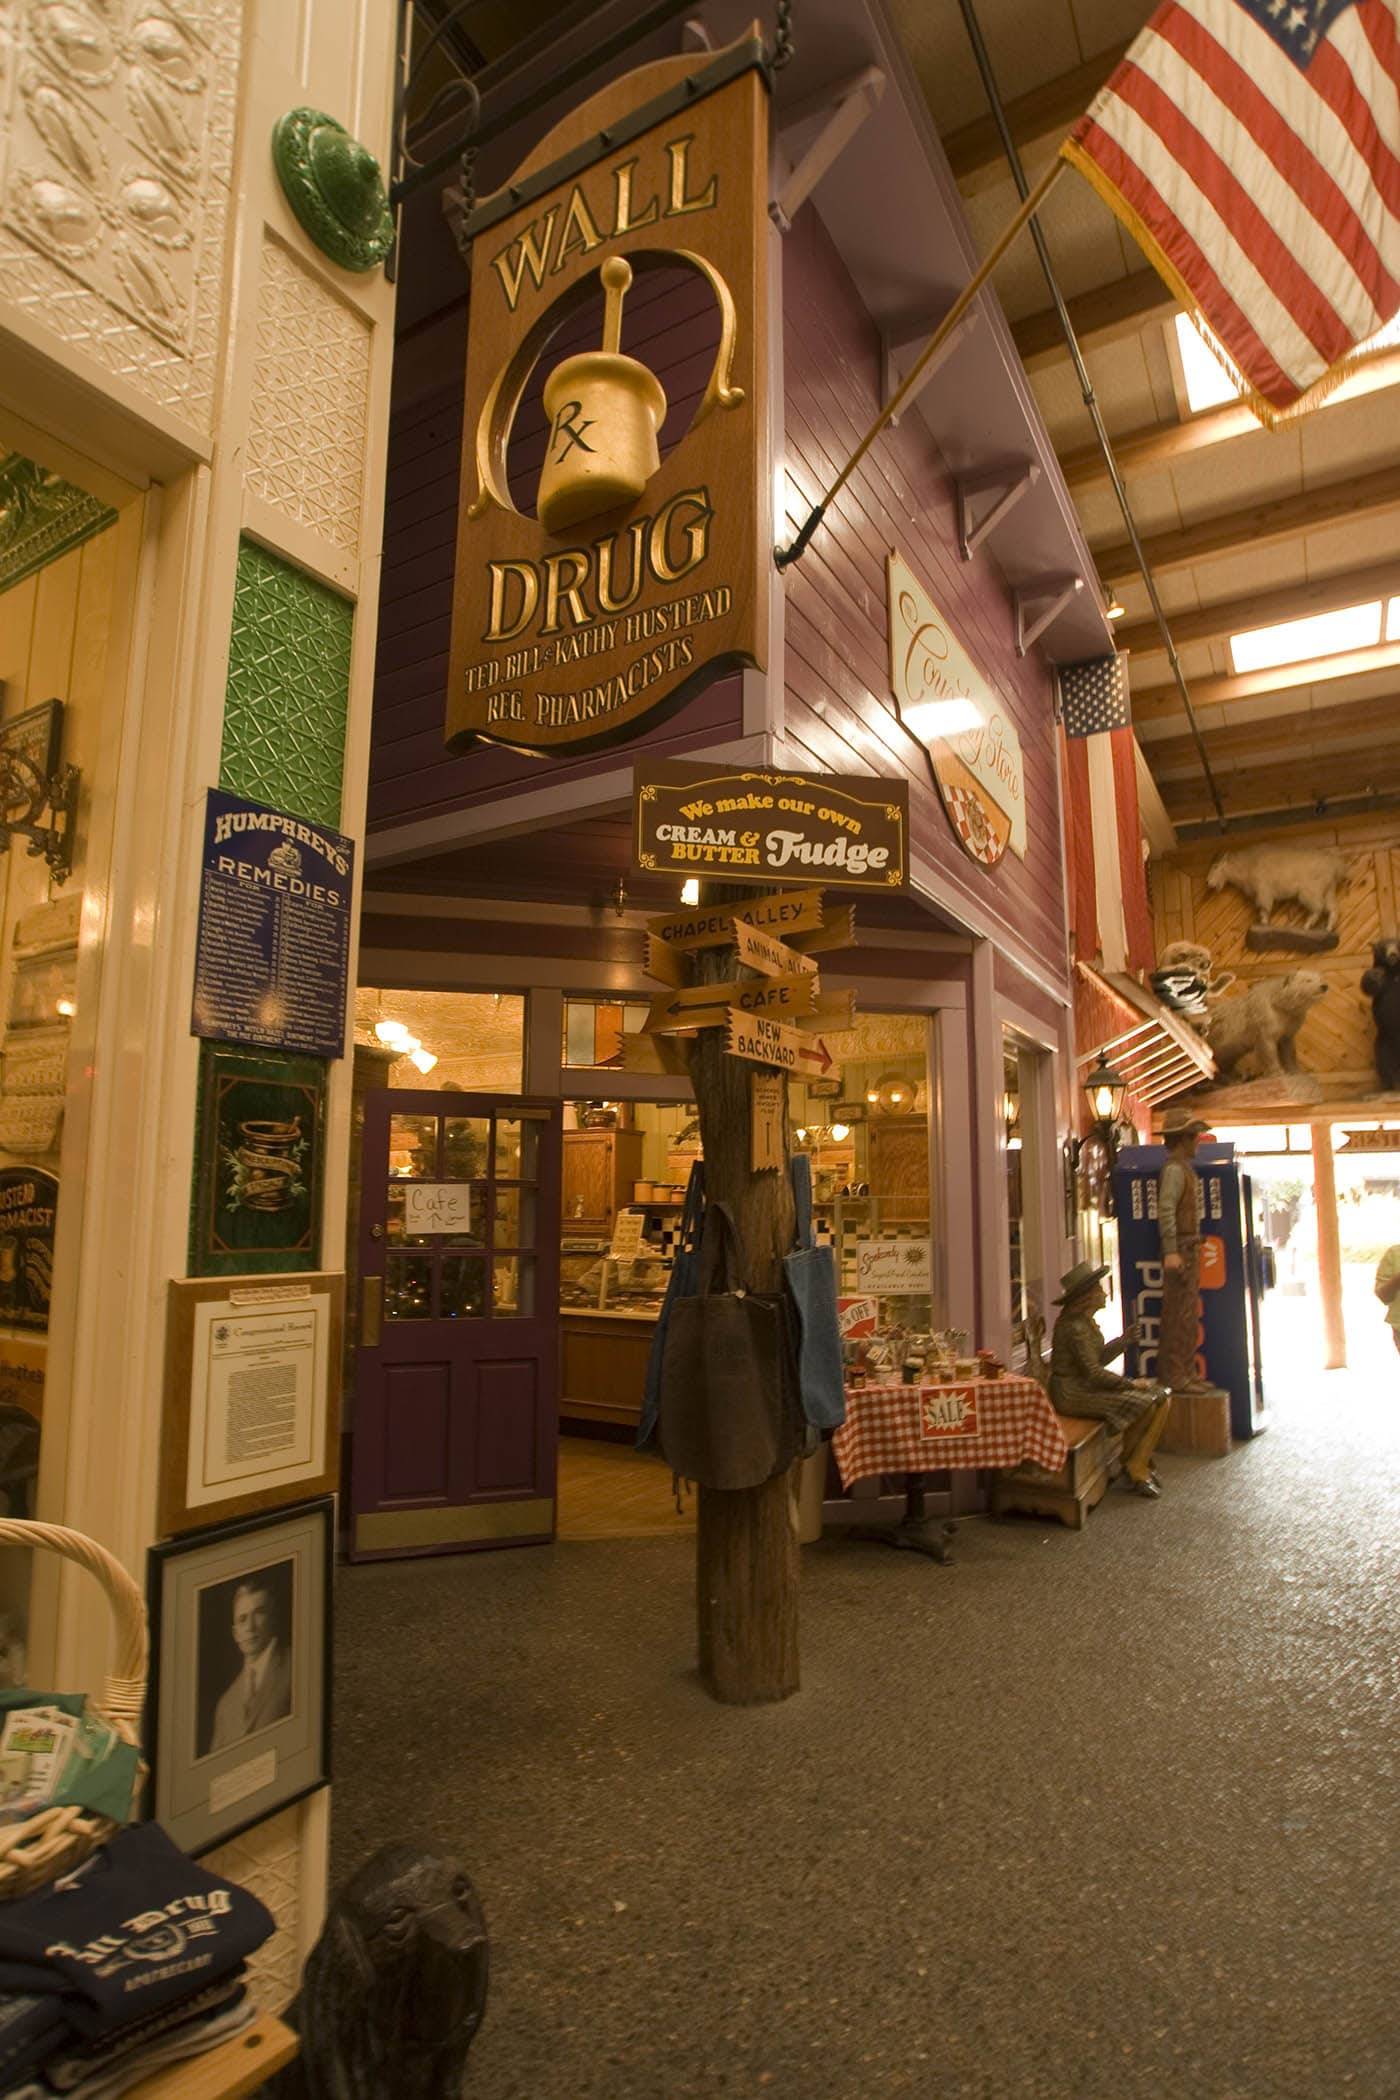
(395, 1988)
(1381, 984)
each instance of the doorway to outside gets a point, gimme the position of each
(1279, 1159)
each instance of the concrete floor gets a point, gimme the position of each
(1106, 1817)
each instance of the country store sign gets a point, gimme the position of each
(961, 718)
(612, 582)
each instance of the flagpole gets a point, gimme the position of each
(1032, 203)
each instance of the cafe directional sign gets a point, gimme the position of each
(615, 581)
(742, 824)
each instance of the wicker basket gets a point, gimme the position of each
(56, 1840)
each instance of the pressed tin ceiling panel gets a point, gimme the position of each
(41, 517)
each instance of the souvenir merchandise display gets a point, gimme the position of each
(133, 1960)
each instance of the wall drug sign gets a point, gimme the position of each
(636, 579)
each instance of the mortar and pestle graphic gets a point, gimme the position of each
(604, 413)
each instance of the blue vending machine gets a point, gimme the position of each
(1236, 1270)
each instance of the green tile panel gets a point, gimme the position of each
(288, 689)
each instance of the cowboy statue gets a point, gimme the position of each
(1082, 1384)
(1179, 1234)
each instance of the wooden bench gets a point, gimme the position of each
(1073, 1491)
(229, 2072)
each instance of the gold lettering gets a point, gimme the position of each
(679, 151)
(669, 567)
(623, 218)
(636, 534)
(497, 630)
(579, 231)
(556, 590)
(525, 252)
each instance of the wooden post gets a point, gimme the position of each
(1329, 1248)
(746, 1544)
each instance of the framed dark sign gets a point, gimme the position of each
(258, 1191)
(28, 1209)
(273, 956)
(740, 824)
(634, 564)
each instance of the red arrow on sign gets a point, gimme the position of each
(819, 1054)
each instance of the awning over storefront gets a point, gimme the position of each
(1156, 1051)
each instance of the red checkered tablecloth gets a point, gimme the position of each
(923, 1428)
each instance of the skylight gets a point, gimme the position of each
(1321, 634)
(1209, 383)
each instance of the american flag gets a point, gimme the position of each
(1094, 695)
(1252, 148)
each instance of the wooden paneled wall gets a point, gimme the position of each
(839, 711)
(1338, 1035)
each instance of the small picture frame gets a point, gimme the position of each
(237, 1722)
(258, 1162)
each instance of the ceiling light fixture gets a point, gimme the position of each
(1115, 608)
(690, 890)
(1317, 635)
(424, 1059)
(393, 1033)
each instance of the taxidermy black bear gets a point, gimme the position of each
(1381, 984)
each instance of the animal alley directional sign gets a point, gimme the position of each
(611, 581)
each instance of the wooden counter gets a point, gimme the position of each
(603, 1365)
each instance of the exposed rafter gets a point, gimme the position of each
(1038, 120)
(1302, 784)
(1158, 445)
(1160, 702)
(1215, 623)
(1347, 728)
(1105, 315)
(1259, 524)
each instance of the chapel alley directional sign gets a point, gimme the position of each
(746, 824)
(618, 581)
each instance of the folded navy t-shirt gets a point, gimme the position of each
(134, 1929)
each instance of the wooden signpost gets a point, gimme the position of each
(763, 1042)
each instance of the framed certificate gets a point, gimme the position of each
(252, 1383)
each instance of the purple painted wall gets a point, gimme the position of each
(838, 709)
(671, 327)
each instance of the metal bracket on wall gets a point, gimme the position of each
(1005, 486)
(850, 102)
(1037, 604)
(895, 341)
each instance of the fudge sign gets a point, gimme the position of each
(629, 565)
(740, 824)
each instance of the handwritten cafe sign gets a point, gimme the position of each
(740, 824)
(948, 704)
(437, 1207)
(614, 580)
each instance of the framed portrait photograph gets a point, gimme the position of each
(252, 1389)
(258, 1174)
(238, 1701)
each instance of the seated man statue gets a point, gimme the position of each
(1082, 1384)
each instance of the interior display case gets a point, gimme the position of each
(593, 1280)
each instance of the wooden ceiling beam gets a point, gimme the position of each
(1272, 787)
(1157, 445)
(1158, 703)
(1215, 623)
(1039, 119)
(1257, 525)
(1356, 719)
(1105, 315)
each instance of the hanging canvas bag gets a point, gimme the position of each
(729, 1411)
(679, 1284)
(811, 1278)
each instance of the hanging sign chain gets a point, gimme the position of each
(783, 46)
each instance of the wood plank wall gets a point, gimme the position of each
(838, 707)
(669, 321)
(1338, 1035)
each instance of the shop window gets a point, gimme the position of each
(594, 1029)
(467, 1042)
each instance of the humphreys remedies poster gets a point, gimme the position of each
(741, 824)
(28, 1208)
(632, 563)
(273, 956)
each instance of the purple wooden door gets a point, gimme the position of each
(457, 1379)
